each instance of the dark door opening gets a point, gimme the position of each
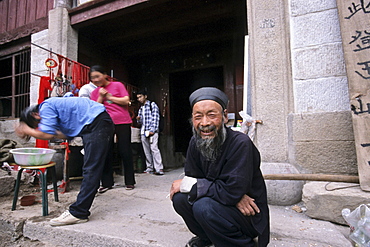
(182, 84)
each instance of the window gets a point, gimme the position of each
(14, 83)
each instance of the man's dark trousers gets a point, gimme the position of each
(224, 225)
(96, 138)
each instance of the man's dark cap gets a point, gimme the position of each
(209, 93)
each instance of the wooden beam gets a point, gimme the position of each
(173, 40)
(93, 10)
(24, 31)
(313, 177)
(196, 17)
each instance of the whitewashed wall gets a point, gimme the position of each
(38, 57)
(320, 127)
(319, 76)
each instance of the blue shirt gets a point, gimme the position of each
(149, 118)
(67, 114)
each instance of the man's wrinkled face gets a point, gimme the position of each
(208, 118)
(209, 131)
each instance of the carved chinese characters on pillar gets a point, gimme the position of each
(354, 19)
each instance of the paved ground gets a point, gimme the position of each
(144, 217)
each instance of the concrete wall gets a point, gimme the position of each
(321, 134)
(299, 86)
(323, 142)
(63, 39)
(38, 57)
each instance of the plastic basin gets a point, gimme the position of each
(32, 156)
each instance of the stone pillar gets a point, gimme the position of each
(63, 39)
(63, 3)
(270, 76)
(38, 58)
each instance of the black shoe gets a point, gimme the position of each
(198, 242)
(102, 190)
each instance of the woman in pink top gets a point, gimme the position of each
(116, 100)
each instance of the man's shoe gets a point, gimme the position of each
(198, 242)
(130, 187)
(104, 189)
(160, 172)
(66, 219)
(149, 171)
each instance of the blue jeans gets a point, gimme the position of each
(96, 137)
(208, 219)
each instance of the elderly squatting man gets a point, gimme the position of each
(222, 197)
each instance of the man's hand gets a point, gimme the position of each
(247, 206)
(22, 130)
(25, 132)
(59, 135)
(175, 188)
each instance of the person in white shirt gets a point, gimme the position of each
(86, 90)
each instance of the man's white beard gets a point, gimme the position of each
(210, 148)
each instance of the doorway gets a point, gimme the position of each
(182, 84)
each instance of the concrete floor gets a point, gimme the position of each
(144, 217)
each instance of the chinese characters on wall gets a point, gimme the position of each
(354, 19)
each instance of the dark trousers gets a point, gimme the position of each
(208, 219)
(96, 137)
(123, 134)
